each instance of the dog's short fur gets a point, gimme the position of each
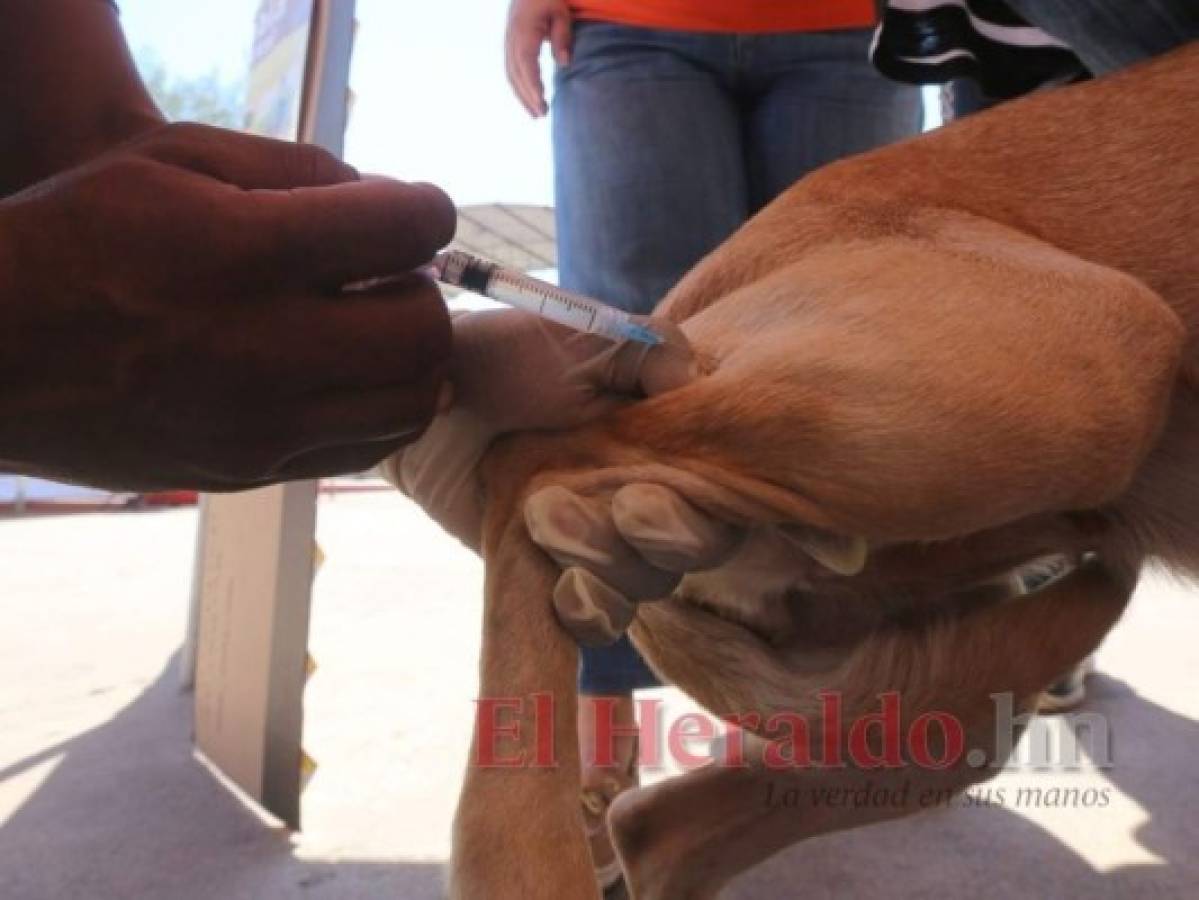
(975, 349)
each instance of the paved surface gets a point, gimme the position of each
(100, 796)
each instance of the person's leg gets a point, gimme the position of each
(966, 98)
(607, 678)
(649, 177)
(816, 99)
(648, 161)
(612, 671)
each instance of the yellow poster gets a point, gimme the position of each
(273, 97)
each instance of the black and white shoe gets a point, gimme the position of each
(1068, 691)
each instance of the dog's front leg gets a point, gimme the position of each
(518, 833)
(925, 385)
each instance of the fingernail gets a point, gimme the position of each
(674, 363)
(667, 531)
(564, 524)
(593, 613)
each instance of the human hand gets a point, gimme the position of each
(639, 543)
(514, 372)
(176, 319)
(530, 23)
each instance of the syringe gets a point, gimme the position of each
(539, 297)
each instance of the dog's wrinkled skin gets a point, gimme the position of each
(972, 349)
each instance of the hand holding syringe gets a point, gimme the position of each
(539, 297)
(510, 373)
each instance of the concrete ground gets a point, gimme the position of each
(101, 797)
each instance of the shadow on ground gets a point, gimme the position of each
(996, 853)
(128, 813)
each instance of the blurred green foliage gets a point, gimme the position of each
(208, 98)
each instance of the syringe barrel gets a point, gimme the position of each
(539, 297)
(547, 300)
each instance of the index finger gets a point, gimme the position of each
(527, 64)
(333, 235)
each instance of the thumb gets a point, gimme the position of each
(669, 365)
(632, 368)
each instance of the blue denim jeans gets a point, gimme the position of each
(665, 142)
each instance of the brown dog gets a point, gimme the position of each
(973, 349)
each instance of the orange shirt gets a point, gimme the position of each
(752, 16)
